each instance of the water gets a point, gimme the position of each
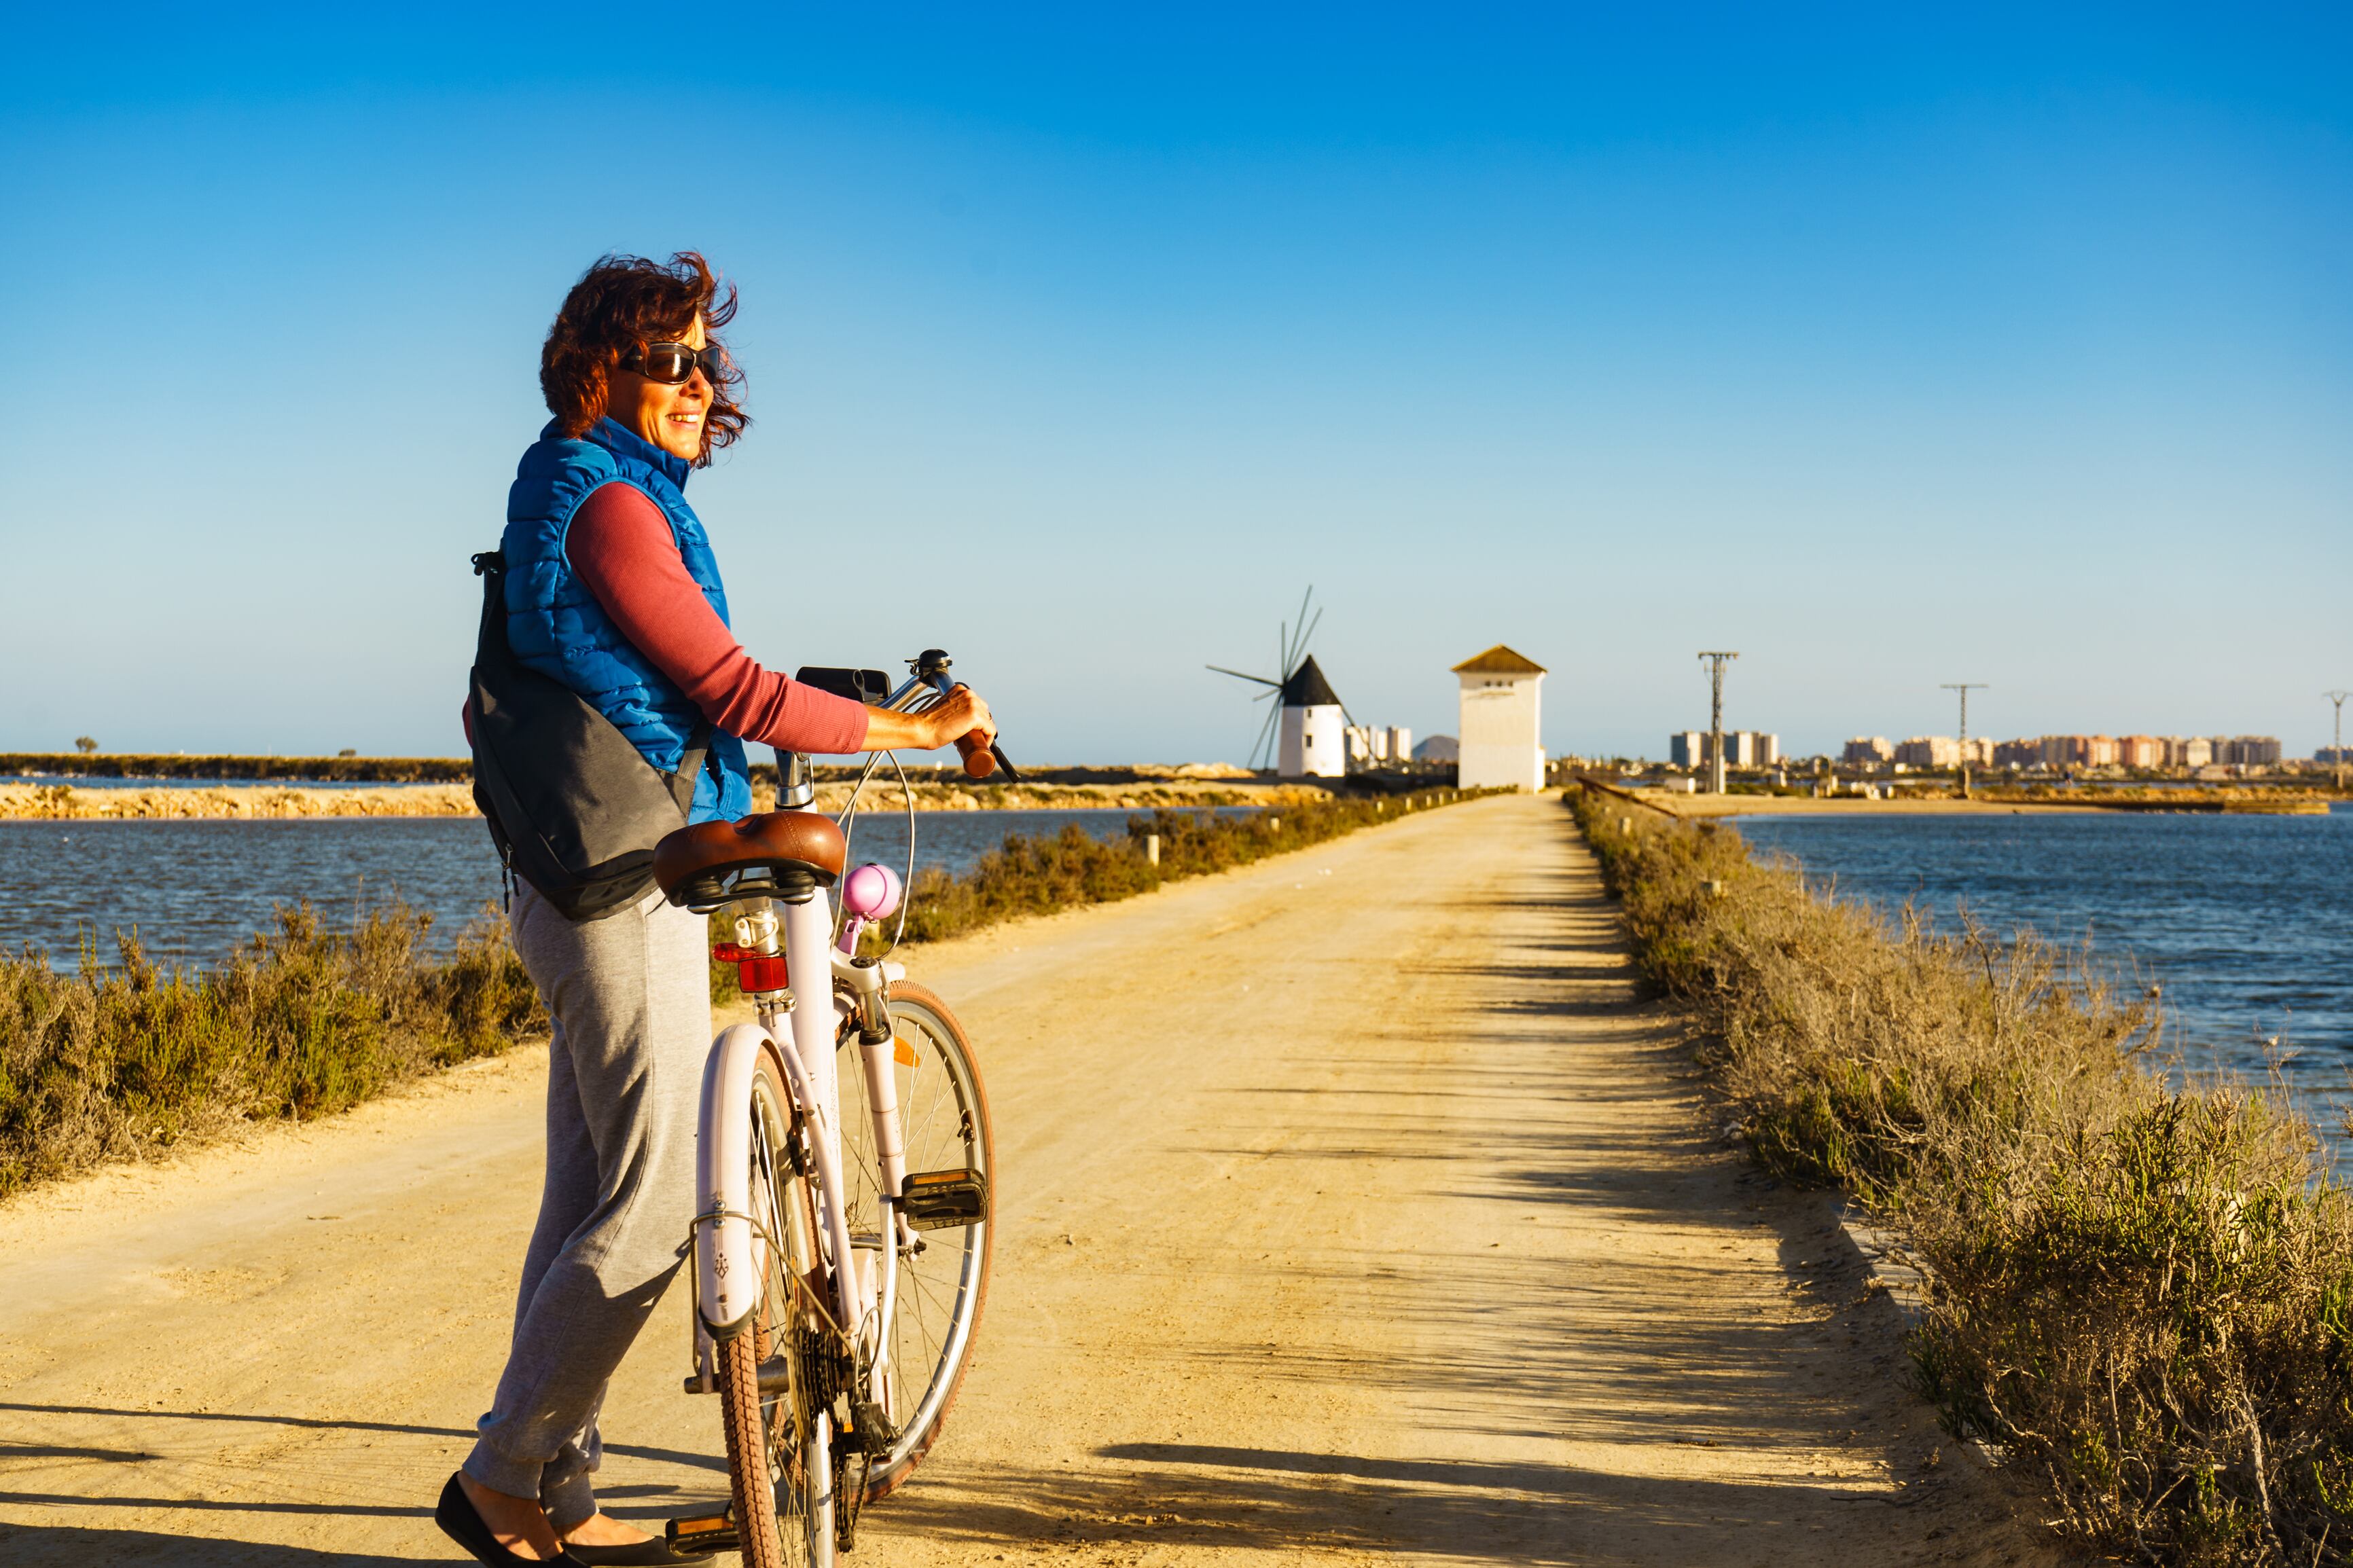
(2246, 923)
(194, 890)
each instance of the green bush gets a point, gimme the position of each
(2142, 1288)
(125, 1059)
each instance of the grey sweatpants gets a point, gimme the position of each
(630, 997)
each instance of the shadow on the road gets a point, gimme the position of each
(405, 1498)
(1488, 1052)
(75, 1543)
(9, 1450)
(1272, 1500)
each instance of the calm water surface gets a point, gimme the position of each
(194, 890)
(2245, 921)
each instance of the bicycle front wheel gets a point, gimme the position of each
(943, 1275)
(774, 1376)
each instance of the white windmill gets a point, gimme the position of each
(1309, 726)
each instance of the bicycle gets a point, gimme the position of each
(839, 1271)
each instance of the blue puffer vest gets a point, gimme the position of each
(555, 626)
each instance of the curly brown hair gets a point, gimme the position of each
(619, 304)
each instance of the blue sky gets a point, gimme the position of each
(2012, 346)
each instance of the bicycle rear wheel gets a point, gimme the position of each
(774, 1375)
(943, 1277)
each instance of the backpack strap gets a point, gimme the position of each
(690, 764)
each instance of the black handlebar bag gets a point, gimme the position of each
(574, 807)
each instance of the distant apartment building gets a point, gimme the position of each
(1927, 752)
(1865, 751)
(1742, 749)
(1944, 752)
(2247, 751)
(2060, 752)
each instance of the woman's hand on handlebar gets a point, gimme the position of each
(958, 714)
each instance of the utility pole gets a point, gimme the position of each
(2337, 751)
(1716, 663)
(1965, 688)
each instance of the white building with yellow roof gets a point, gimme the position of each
(1501, 737)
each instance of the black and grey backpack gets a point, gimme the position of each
(574, 807)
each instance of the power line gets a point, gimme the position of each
(1716, 661)
(2337, 751)
(1965, 688)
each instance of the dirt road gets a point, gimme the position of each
(1352, 1209)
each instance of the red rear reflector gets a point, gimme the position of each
(761, 974)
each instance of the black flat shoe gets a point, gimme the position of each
(456, 1516)
(637, 1554)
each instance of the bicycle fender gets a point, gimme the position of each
(728, 1260)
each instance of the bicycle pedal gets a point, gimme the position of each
(938, 1200)
(709, 1532)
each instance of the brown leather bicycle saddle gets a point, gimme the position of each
(776, 853)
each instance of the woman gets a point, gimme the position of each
(612, 589)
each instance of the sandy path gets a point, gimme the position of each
(1395, 1232)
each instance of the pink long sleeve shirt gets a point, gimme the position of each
(620, 545)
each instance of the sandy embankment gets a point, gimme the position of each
(1353, 1209)
(69, 802)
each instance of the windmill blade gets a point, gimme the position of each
(1266, 735)
(1237, 675)
(1299, 654)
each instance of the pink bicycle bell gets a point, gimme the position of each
(868, 894)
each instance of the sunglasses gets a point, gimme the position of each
(671, 363)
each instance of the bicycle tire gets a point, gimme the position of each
(778, 1461)
(940, 1302)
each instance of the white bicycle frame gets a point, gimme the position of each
(802, 1027)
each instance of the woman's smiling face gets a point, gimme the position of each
(669, 416)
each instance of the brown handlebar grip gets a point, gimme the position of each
(979, 764)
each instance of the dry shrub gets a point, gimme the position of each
(121, 1060)
(2143, 1289)
(1039, 875)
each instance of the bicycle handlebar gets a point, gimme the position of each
(927, 684)
(929, 672)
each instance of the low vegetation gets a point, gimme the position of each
(2142, 1286)
(126, 1058)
